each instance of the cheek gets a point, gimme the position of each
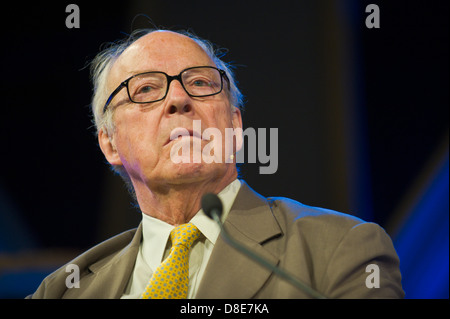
(221, 124)
(219, 115)
(135, 140)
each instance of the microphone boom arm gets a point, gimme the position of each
(262, 261)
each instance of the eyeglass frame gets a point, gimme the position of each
(169, 78)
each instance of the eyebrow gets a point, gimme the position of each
(131, 73)
(134, 72)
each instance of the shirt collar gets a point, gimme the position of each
(206, 225)
(156, 232)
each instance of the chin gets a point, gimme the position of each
(192, 172)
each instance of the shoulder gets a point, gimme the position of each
(339, 247)
(54, 285)
(105, 251)
(323, 231)
(291, 212)
(295, 218)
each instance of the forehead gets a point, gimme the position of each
(158, 51)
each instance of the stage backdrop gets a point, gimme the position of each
(360, 108)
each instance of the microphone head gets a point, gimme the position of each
(211, 203)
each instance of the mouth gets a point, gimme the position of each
(180, 132)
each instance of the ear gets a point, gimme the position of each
(108, 148)
(236, 118)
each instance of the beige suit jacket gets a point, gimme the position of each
(328, 251)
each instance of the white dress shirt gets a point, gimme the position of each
(155, 248)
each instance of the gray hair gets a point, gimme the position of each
(103, 62)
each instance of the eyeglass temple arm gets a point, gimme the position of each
(113, 94)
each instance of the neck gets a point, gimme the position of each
(177, 204)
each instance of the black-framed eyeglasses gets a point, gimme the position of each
(149, 87)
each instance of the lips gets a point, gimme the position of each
(180, 132)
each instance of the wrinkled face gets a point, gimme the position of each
(141, 140)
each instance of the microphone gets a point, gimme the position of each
(212, 206)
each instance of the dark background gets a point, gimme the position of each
(362, 118)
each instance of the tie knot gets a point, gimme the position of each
(184, 234)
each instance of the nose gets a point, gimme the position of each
(177, 99)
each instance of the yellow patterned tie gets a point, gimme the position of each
(170, 279)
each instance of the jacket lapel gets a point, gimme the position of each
(229, 272)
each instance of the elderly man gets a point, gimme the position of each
(148, 91)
